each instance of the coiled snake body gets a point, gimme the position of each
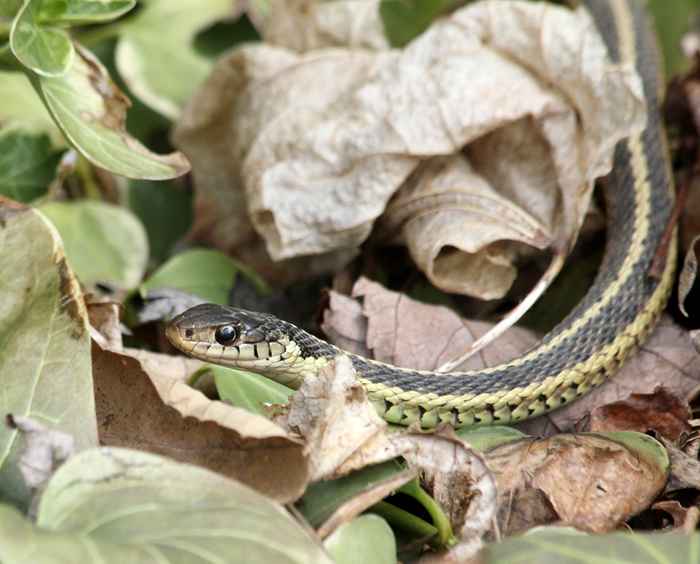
(582, 351)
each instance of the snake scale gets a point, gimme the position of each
(582, 351)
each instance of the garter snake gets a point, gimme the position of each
(582, 351)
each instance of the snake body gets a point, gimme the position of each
(581, 352)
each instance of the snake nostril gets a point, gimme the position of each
(189, 333)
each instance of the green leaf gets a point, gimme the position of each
(9, 8)
(205, 273)
(164, 30)
(73, 12)
(247, 390)
(486, 438)
(21, 107)
(27, 164)
(405, 20)
(643, 445)
(165, 209)
(45, 367)
(321, 499)
(104, 242)
(90, 110)
(45, 50)
(567, 546)
(114, 506)
(367, 539)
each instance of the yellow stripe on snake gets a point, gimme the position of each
(587, 347)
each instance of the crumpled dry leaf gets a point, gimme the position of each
(305, 25)
(405, 332)
(140, 406)
(44, 449)
(668, 356)
(587, 481)
(306, 135)
(685, 519)
(659, 411)
(685, 469)
(688, 274)
(344, 433)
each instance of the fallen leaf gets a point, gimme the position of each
(407, 333)
(140, 406)
(592, 482)
(45, 352)
(684, 518)
(685, 469)
(686, 279)
(659, 411)
(290, 165)
(44, 449)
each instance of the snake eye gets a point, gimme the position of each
(226, 335)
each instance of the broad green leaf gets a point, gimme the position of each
(205, 273)
(22, 107)
(165, 209)
(45, 50)
(73, 12)
(247, 390)
(163, 31)
(406, 19)
(9, 8)
(554, 545)
(104, 242)
(90, 110)
(367, 539)
(27, 164)
(486, 438)
(45, 368)
(121, 504)
(321, 499)
(643, 445)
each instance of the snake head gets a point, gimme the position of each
(227, 335)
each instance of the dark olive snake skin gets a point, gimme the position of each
(582, 351)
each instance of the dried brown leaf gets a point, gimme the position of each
(669, 356)
(659, 411)
(408, 333)
(152, 412)
(587, 481)
(268, 160)
(688, 274)
(685, 470)
(684, 518)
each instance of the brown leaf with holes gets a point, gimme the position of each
(668, 356)
(685, 519)
(408, 333)
(138, 406)
(587, 481)
(659, 411)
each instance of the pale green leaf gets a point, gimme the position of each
(553, 545)
(104, 242)
(247, 390)
(27, 164)
(367, 539)
(115, 506)
(72, 12)
(45, 50)
(205, 273)
(164, 30)
(406, 19)
(45, 368)
(486, 438)
(23, 108)
(91, 110)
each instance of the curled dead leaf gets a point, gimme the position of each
(587, 481)
(405, 332)
(659, 411)
(140, 406)
(270, 161)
